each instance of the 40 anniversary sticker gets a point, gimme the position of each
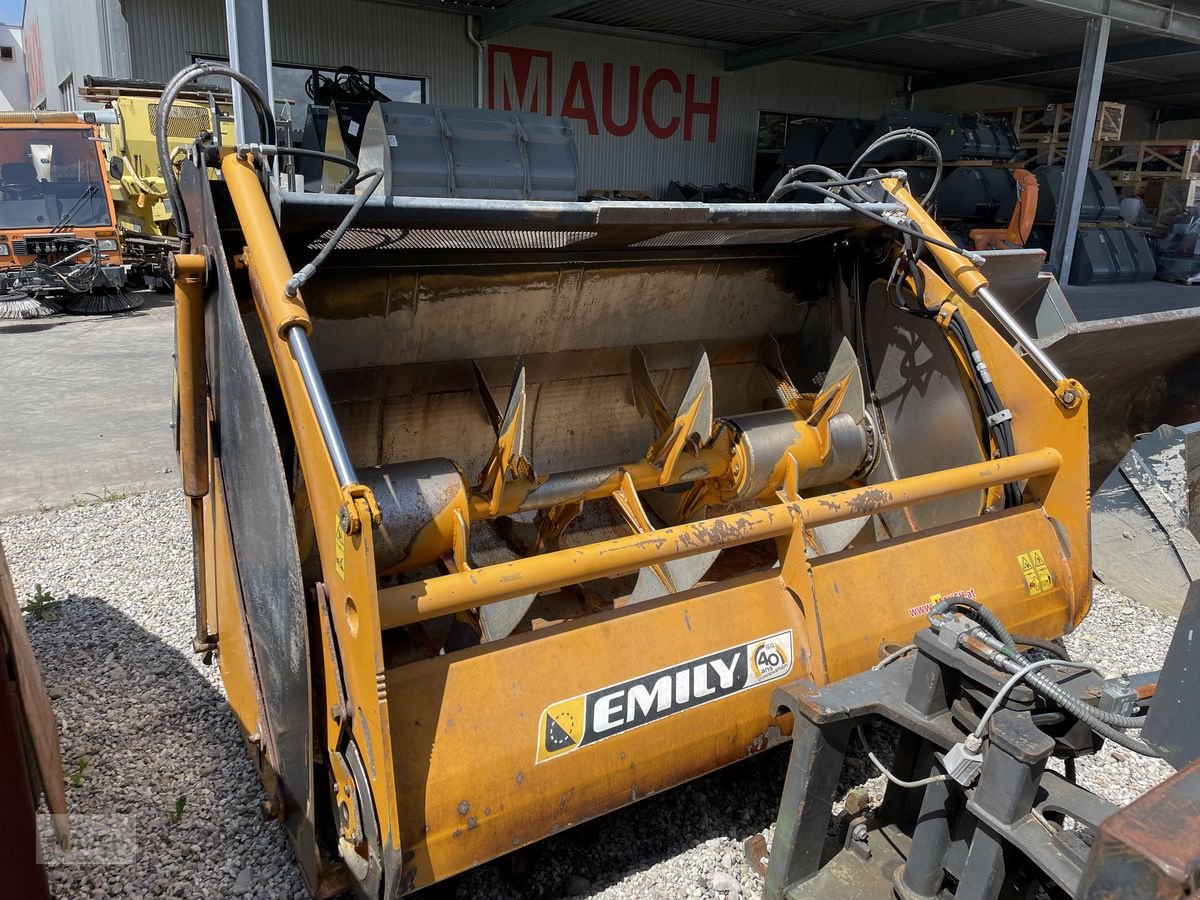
(569, 724)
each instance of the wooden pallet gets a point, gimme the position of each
(1127, 161)
(1051, 123)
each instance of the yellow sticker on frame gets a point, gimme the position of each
(339, 547)
(1036, 573)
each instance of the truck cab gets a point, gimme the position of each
(57, 222)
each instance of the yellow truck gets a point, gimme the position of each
(144, 217)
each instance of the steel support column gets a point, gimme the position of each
(248, 23)
(1087, 97)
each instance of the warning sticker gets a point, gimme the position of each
(1036, 573)
(339, 547)
(569, 724)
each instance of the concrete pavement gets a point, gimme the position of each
(85, 407)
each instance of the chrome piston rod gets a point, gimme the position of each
(1036, 353)
(336, 447)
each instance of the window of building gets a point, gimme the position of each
(6, 53)
(66, 93)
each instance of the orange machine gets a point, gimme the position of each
(509, 513)
(58, 239)
(1017, 233)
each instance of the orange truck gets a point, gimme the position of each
(59, 248)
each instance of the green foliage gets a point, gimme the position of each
(43, 605)
(105, 496)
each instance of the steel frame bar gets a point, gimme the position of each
(460, 591)
(1167, 20)
(878, 28)
(248, 24)
(1087, 99)
(522, 12)
(1153, 48)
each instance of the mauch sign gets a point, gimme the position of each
(661, 101)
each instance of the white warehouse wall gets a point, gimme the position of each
(64, 41)
(14, 87)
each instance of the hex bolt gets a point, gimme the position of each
(1069, 397)
(859, 833)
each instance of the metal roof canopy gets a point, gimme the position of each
(1154, 48)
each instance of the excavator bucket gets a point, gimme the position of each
(1142, 368)
(1146, 519)
(511, 512)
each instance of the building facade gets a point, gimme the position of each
(14, 87)
(645, 112)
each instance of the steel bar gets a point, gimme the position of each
(518, 13)
(866, 31)
(1036, 353)
(1153, 18)
(298, 342)
(1043, 64)
(249, 31)
(303, 211)
(465, 590)
(1087, 98)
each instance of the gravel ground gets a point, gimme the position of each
(144, 724)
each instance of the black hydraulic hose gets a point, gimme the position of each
(1074, 705)
(789, 182)
(1014, 662)
(882, 220)
(349, 181)
(297, 281)
(982, 615)
(1054, 649)
(174, 87)
(1104, 723)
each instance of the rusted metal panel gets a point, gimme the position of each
(1149, 849)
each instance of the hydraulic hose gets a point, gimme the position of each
(907, 134)
(266, 126)
(1101, 721)
(982, 615)
(1076, 707)
(1056, 650)
(273, 150)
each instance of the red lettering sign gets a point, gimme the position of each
(631, 105)
(522, 79)
(653, 80)
(693, 107)
(578, 102)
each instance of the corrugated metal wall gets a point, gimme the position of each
(641, 161)
(165, 34)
